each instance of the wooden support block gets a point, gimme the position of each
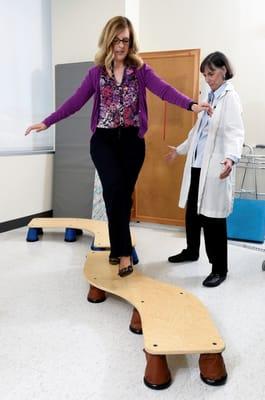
(96, 295)
(136, 323)
(157, 375)
(212, 369)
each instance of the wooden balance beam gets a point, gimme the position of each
(99, 229)
(73, 227)
(172, 320)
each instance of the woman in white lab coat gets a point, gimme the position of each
(213, 146)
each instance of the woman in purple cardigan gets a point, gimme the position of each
(118, 83)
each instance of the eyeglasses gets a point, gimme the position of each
(124, 41)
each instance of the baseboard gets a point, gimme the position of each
(19, 222)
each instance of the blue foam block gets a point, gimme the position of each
(247, 221)
(70, 235)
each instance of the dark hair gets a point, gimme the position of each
(217, 60)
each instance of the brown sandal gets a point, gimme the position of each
(125, 271)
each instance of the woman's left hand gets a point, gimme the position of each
(197, 108)
(227, 168)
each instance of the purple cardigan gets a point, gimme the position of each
(90, 86)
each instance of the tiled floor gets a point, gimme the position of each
(55, 345)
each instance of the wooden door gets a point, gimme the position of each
(157, 191)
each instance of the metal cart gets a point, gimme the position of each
(250, 178)
(251, 166)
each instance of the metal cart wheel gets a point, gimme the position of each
(263, 266)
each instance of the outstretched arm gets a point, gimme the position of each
(168, 93)
(73, 103)
(70, 106)
(36, 127)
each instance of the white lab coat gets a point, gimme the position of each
(225, 137)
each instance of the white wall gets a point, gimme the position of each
(234, 27)
(26, 185)
(77, 25)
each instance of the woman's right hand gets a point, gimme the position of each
(172, 153)
(36, 127)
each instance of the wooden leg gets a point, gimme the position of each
(96, 295)
(136, 323)
(157, 375)
(212, 369)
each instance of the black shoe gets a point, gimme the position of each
(183, 256)
(213, 280)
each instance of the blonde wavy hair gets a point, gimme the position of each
(105, 54)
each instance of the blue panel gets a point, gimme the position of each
(247, 221)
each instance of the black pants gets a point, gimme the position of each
(118, 155)
(214, 229)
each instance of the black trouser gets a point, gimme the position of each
(118, 155)
(214, 229)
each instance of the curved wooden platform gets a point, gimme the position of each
(98, 229)
(173, 320)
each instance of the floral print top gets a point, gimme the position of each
(119, 103)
